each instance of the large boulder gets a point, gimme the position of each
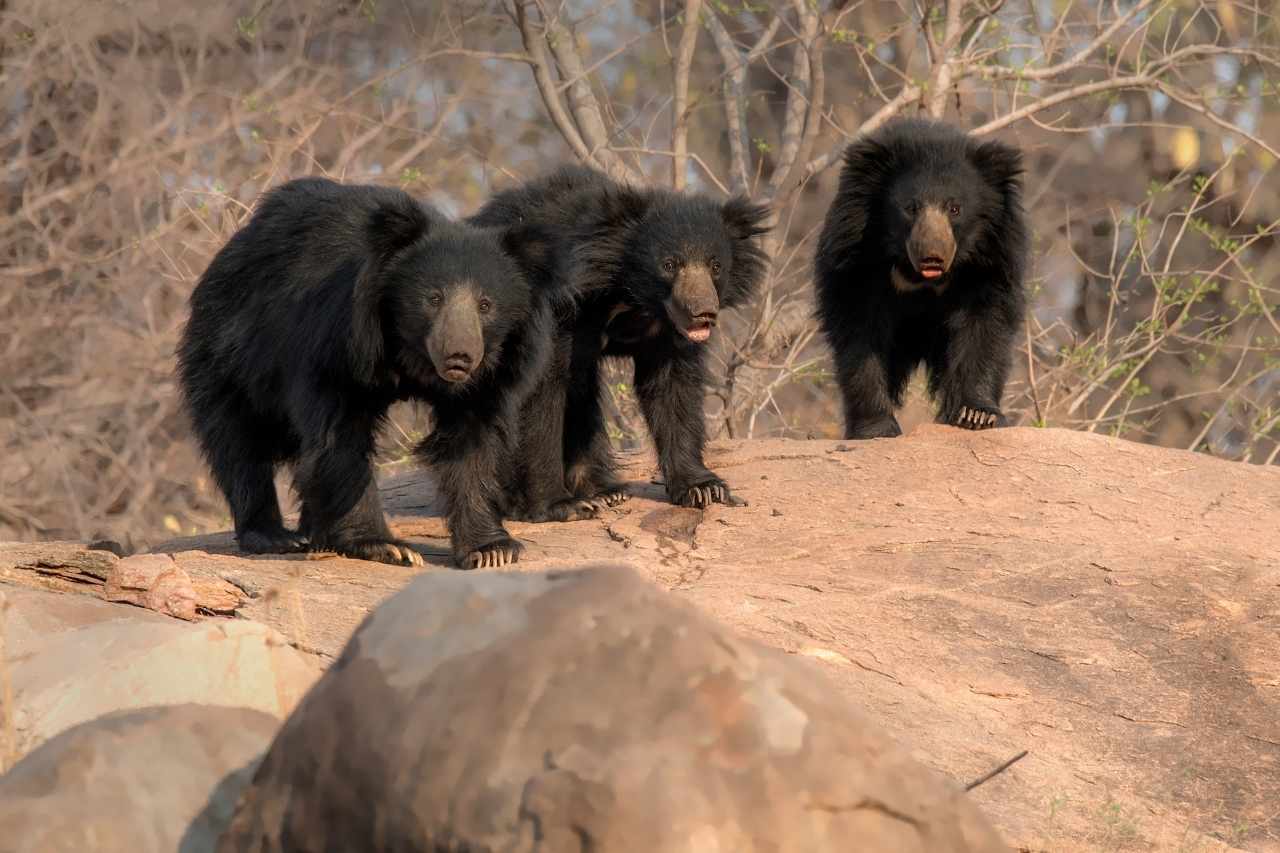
(152, 780)
(583, 710)
(72, 658)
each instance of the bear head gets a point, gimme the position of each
(438, 301)
(932, 198)
(684, 257)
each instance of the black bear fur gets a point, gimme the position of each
(333, 302)
(651, 269)
(922, 259)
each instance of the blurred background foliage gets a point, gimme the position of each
(135, 137)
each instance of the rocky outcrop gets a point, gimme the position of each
(583, 710)
(153, 780)
(1111, 607)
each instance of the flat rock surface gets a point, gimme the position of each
(151, 780)
(584, 710)
(69, 659)
(1112, 607)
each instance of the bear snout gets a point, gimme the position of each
(456, 340)
(694, 304)
(931, 245)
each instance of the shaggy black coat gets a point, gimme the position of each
(329, 305)
(922, 259)
(651, 270)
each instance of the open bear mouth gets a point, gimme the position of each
(932, 268)
(699, 330)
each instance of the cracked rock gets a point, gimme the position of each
(583, 710)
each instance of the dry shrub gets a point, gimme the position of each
(135, 137)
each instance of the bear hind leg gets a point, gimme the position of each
(246, 475)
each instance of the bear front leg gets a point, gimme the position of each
(669, 385)
(341, 509)
(240, 451)
(967, 375)
(468, 452)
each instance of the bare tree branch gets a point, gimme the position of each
(582, 102)
(798, 98)
(940, 79)
(535, 45)
(680, 103)
(734, 84)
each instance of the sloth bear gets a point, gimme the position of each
(921, 259)
(330, 304)
(651, 270)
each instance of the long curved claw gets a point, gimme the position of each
(614, 498)
(494, 556)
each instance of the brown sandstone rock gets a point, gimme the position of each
(70, 659)
(153, 780)
(154, 581)
(584, 710)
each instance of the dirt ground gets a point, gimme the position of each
(1110, 607)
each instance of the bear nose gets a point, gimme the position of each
(459, 359)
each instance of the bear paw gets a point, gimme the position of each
(572, 509)
(392, 551)
(707, 492)
(977, 417)
(277, 541)
(611, 495)
(495, 555)
(566, 509)
(885, 426)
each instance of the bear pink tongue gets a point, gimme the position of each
(930, 273)
(698, 333)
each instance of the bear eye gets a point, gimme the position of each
(435, 299)
(484, 305)
(715, 268)
(912, 207)
(669, 266)
(953, 209)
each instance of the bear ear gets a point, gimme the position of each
(395, 223)
(869, 160)
(869, 166)
(536, 251)
(621, 204)
(745, 219)
(999, 164)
